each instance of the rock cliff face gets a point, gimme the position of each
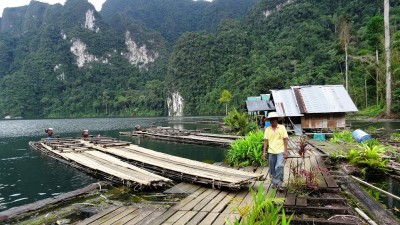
(78, 48)
(90, 21)
(278, 7)
(140, 56)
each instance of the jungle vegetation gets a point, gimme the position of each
(245, 47)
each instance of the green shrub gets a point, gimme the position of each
(240, 123)
(395, 136)
(247, 151)
(343, 136)
(372, 111)
(369, 158)
(264, 210)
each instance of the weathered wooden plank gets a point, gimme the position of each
(110, 215)
(197, 218)
(290, 199)
(237, 201)
(128, 217)
(197, 200)
(189, 198)
(98, 215)
(331, 183)
(224, 203)
(120, 216)
(301, 201)
(185, 218)
(176, 216)
(319, 221)
(312, 210)
(176, 189)
(250, 169)
(138, 219)
(206, 200)
(194, 188)
(163, 217)
(221, 219)
(321, 179)
(286, 171)
(149, 219)
(209, 219)
(215, 201)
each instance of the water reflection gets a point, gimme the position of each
(390, 185)
(26, 175)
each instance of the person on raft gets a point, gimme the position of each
(49, 132)
(85, 133)
(275, 140)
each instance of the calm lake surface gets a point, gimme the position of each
(27, 176)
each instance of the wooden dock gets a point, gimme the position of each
(206, 206)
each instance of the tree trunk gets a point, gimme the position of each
(226, 109)
(366, 91)
(387, 50)
(377, 76)
(346, 66)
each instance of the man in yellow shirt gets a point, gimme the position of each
(275, 140)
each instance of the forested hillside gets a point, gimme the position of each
(281, 43)
(133, 56)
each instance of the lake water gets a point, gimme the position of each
(26, 175)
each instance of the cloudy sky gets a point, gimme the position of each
(15, 3)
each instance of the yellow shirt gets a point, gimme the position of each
(275, 139)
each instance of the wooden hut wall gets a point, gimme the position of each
(326, 120)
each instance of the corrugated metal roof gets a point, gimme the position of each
(259, 105)
(265, 97)
(323, 99)
(254, 98)
(285, 103)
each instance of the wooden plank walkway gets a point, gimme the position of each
(212, 206)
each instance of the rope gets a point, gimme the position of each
(99, 186)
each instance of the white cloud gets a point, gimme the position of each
(15, 3)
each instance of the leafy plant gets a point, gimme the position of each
(247, 151)
(303, 181)
(264, 210)
(342, 136)
(369, 158)
(395, 136)
(240, 123)
(302, 146)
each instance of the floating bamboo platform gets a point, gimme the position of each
(91, 161)
(183, 136)
(123, 162)
(176, 168)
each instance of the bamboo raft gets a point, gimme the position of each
(132, 165)
(187, 137)
(176, 168)
(91, 161)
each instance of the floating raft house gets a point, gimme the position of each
(102, 154)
